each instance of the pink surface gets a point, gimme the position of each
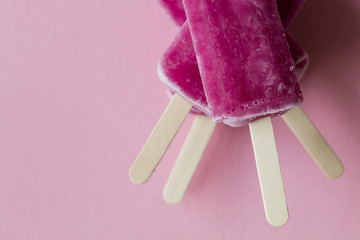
(79, 95)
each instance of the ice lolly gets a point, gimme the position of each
(177, 68)
(202, 128)
(179, 71)
(244, 60)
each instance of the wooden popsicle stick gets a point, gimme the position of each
(313, 141)
(188, 159)
(159, 139)
(267, 163)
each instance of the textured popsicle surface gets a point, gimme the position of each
(178, 67)
(179, 71)
(244, 59)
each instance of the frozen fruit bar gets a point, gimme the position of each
(179, 71)
(244, 59)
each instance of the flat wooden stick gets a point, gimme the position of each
(188, 159)
(267, 162)
(313, 141)
(159, 140)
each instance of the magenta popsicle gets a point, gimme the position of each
(236, 104)
(179, 71)
(178, 68)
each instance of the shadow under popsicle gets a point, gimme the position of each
(325, 28)
(329, 31)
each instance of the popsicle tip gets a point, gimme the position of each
(171, 198)
(337, 171)
(278, 220)
(136, 177)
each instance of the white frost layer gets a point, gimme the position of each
(238, 122)
(231, 121)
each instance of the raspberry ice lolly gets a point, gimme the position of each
(179, 71)
(244, 59)
(180, 74)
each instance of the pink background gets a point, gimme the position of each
(79, 95)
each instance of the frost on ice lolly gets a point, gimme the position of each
(178, 67)
(244, 60)
(179, 71)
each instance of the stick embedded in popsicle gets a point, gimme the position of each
(181, 74)
(159, 140)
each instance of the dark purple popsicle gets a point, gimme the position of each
(178, 68)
